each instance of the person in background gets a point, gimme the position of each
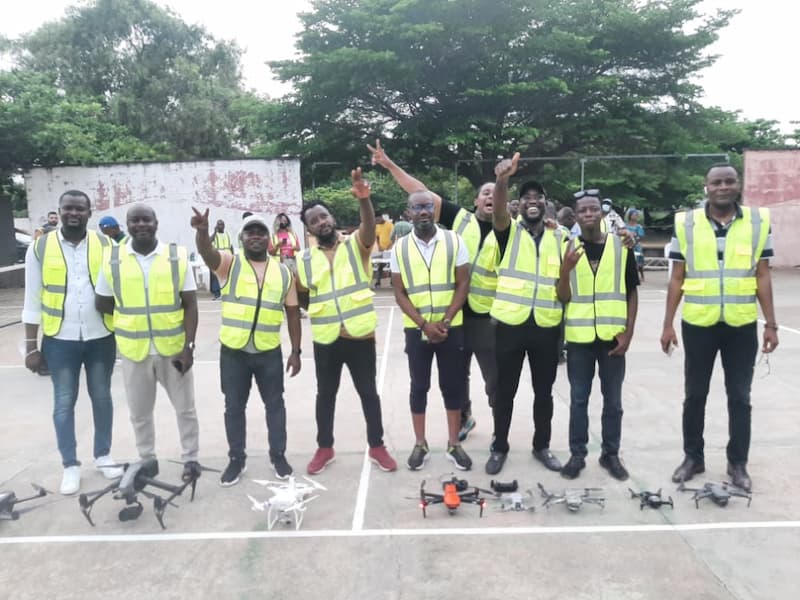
(285, 242)
(51, 225)
(109, 226)
(632, 224)
(383, 240)
(402, 226)
(611, 219)
(566, 218)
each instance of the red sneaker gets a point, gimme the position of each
(380, 456)
(322, 458)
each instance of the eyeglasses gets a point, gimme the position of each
(583, 193)
(418, 208)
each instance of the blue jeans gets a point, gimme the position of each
(237, 371)
(581, 359)
(64, 359)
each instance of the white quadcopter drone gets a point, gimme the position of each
(289, 500)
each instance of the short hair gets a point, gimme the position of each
(531, 186)
(722, 165)
(246, 214)
(77, 194)
(52, 212)
(309, 206)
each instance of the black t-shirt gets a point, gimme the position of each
(447, 217)
(593, 253)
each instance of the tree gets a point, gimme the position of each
(163, 80)
(472, 80)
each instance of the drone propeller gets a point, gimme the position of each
(260, 506)
(266, 482)
(316, 484)
(198, 465)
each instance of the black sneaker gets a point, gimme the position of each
(495, 463)
(573, 468)
(460, 458)
(233, 472)
(612, 464)
(547, 458)
(282, 468)
(419, 455)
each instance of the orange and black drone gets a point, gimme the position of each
(455, 492)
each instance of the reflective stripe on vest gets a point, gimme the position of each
(482, 274)
(339, 295)
(714, 293)
(527, 278)
(430, 289)
(247, 309)
(598, 307)
(154, 312)
(50, 255)
(222, 241)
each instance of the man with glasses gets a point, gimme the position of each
(430, 275)
(474, 228)
(527, 256)
(720, 256)
(597, 284)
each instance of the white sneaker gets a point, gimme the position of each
(71, 482)
(107, 466)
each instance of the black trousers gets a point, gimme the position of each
(479, 340)
(450, 363)
(513, 342)
(360, 357)
(738, 347)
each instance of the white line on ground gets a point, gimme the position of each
(363, 484)
(363, 533)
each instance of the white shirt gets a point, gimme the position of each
(145, 262)
(81, 319)
(427, 248)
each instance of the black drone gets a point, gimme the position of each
(651, 499)
(573, 499)
(718, 493)
(8, 500)
(135, 478)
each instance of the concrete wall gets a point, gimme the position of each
(772, 179)
(226, 187)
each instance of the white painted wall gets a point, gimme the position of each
(226, 187)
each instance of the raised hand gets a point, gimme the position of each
(572, 255)
(199, 220)
(507, 167)
(361, 187)
(378, 155)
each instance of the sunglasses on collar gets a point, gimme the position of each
(584, 193)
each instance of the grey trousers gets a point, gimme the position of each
(140, 389)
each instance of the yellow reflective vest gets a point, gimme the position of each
(482, 275)
(598, 307)
(430, 289)
(222, 241)
(48, 252)
(726, 292)
(153, 312)
(246, 308)
(527, 278)
(339, 296)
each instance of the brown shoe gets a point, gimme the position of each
(739, 477)
(688, 469)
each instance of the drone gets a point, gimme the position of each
(456, 491)
(573, 499)
(289, 500)
(651, 499)
(135, 478)
(719, 493)
(8, 500)
(515, 501)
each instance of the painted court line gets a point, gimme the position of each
(363, 484)
(390, 533)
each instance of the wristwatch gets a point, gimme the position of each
(297, 351)
(446, 323)
(190, 346)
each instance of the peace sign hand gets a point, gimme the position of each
(379, 157)
(199, 220)
(572, 255)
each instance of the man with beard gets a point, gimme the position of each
(221, 241)
(597, 284)
(149, 288)
(527, 311)
(474, 228)
(430, 276)
(334, 279)
(255, 292)
(61, 270)
(720, 256)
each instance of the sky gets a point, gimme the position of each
(754, 72)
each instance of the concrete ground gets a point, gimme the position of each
(366, 538)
